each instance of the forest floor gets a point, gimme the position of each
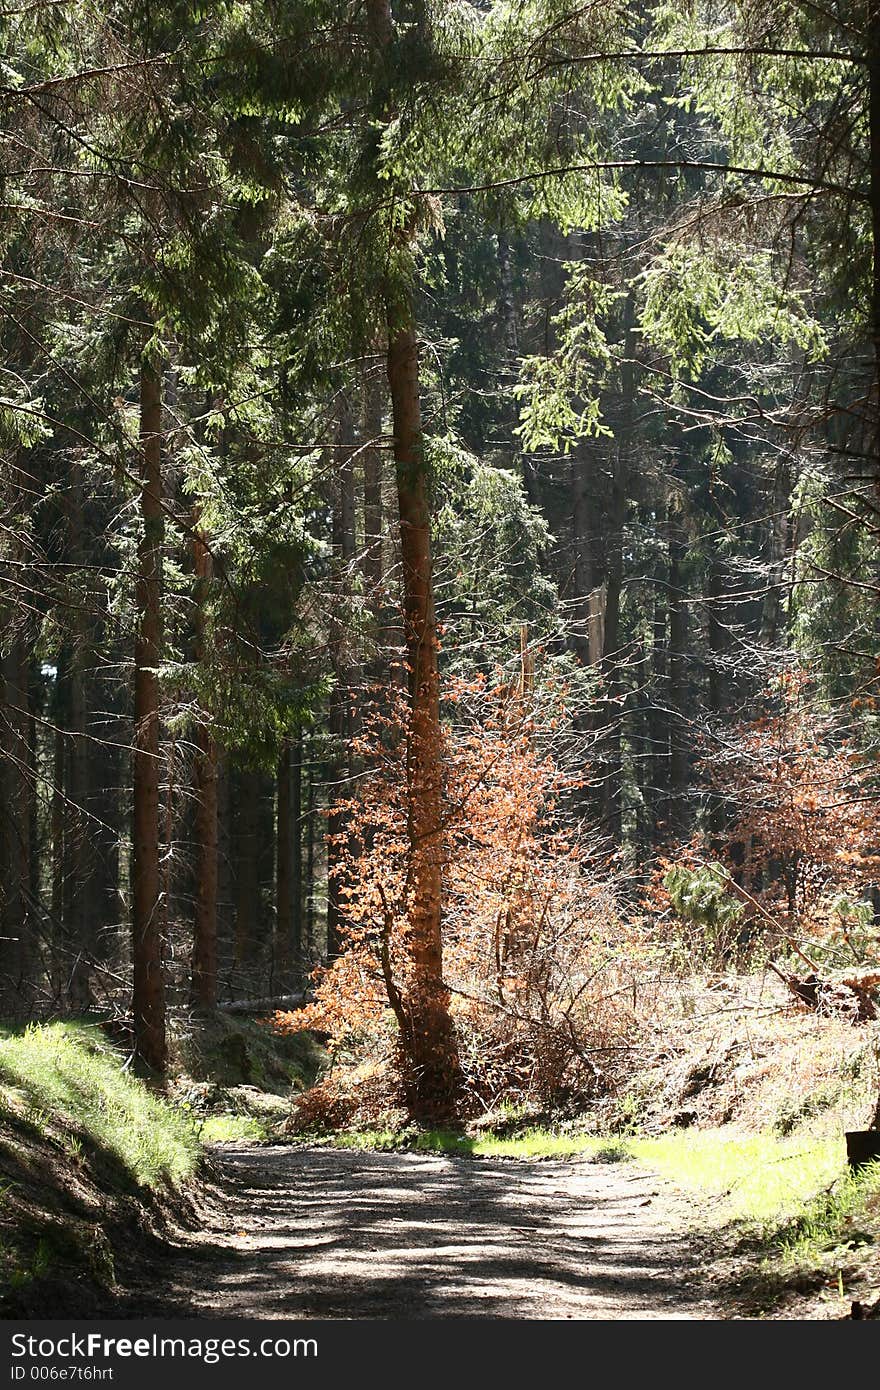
(325, 1233)
(713, 1186)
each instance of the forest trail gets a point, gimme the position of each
(328, 1233)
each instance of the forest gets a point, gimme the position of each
(440, 640)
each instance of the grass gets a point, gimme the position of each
(65, 1076)
(532, 1143)
(756, 1178)
(833, 1220)
(228, 1128)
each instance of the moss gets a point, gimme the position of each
(229, 1050)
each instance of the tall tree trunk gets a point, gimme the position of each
(225, 895)
(56, 892)
(105, 778)
(341, 716)
(873, 33)
(310, 860)
(433, 1073)
(16, 906)
(288, 877)
(296, 855)
(612, 654)
(76, 910)
(204, 962)
(658, 716)
(583, 498)
(373, 559)
(679, 760)
(147, 906)
(246, 844)
(79, 921)
(284, 869)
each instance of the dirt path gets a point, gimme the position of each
(324, 1233)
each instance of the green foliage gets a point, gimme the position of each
(491, 546)
(833, 613)
(702, 897)
(832, 1222)
(559, 392)
(698, 298)
(852, 938)
(756, 1178)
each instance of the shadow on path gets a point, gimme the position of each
(337, 1234)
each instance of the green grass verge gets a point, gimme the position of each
(531, 1143)
(67, 1074)
(834, 1218)
(228, 1128)
(757, 1178)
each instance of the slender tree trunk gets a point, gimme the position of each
(310, 861)
(296, 871)
(225, 912)
(873, 18)
(433, 1072)
(246, 833)
(16, 919)
(679, 760)
(204, 963)
(373, 560)
(289, 884)
(873, 31)
(583, 490)
(148, 908)
(612, 653)
(341, 716)
(658, 718)
(56, 898)
(79, 921)
(284, 870)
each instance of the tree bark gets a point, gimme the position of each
(583, 493)
(204, 962)
(78, 918)
(873, 32)
(310, 862)
(148, 908)
(16, 916)
(284, 870)
(78, 921)
(679, 760)
(373, 564)
(611, 653)
(433, 1076)
(246, 845)
(342, 719)
(431, 1068)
